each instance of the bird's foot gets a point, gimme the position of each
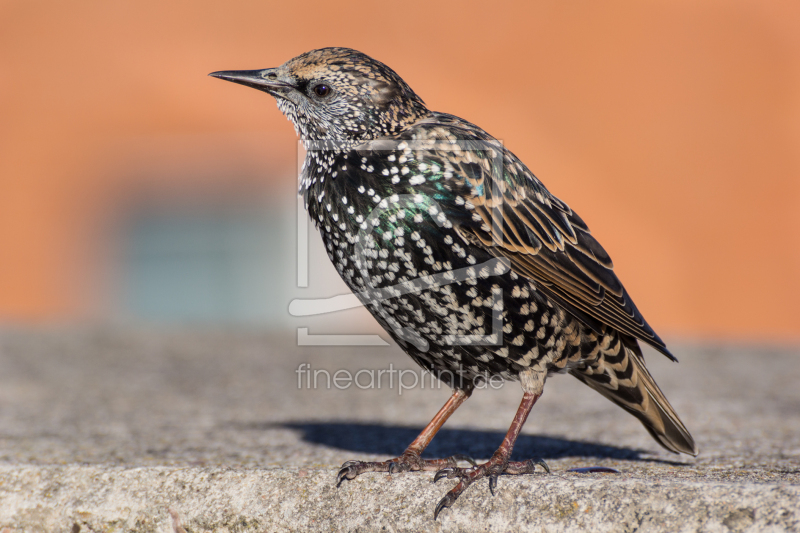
(491, 469)
(408, 462)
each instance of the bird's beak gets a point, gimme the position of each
(264, 80)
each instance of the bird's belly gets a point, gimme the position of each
(455, 309)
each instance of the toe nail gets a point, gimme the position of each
(444, 472)
(440, 506)
(467, 458)
(544, 465)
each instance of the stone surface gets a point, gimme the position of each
(113, 429)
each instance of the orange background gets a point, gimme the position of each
(671, 127)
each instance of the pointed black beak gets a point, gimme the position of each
(264, 80)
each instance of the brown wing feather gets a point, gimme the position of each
(545, 241)
(563, 268)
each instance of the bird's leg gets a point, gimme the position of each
(410, 459)
(498, 464)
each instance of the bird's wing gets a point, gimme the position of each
(499, 205)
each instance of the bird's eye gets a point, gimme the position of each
(322, 90)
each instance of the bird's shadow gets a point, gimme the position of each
(392, 440)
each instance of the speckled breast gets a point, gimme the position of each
(455, 308)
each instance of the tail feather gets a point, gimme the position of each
(624, 379)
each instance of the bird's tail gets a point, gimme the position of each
(620, 375)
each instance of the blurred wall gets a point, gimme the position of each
(672, 127)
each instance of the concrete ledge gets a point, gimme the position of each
(198, 431)
(75, 498)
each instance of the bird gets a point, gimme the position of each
(461, 254)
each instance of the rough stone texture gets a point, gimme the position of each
(140, 430)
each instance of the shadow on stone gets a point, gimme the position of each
(392, 440)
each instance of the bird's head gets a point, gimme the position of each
(337, 94)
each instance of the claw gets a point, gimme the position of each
(542, 463)
(462, 457)
(447, 501)
(443, 473)
(342, 475)
(493, 483)
(392, 467)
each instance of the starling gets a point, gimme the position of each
(472, 266)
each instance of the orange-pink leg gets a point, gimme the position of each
(410, 460)
(498, 464)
